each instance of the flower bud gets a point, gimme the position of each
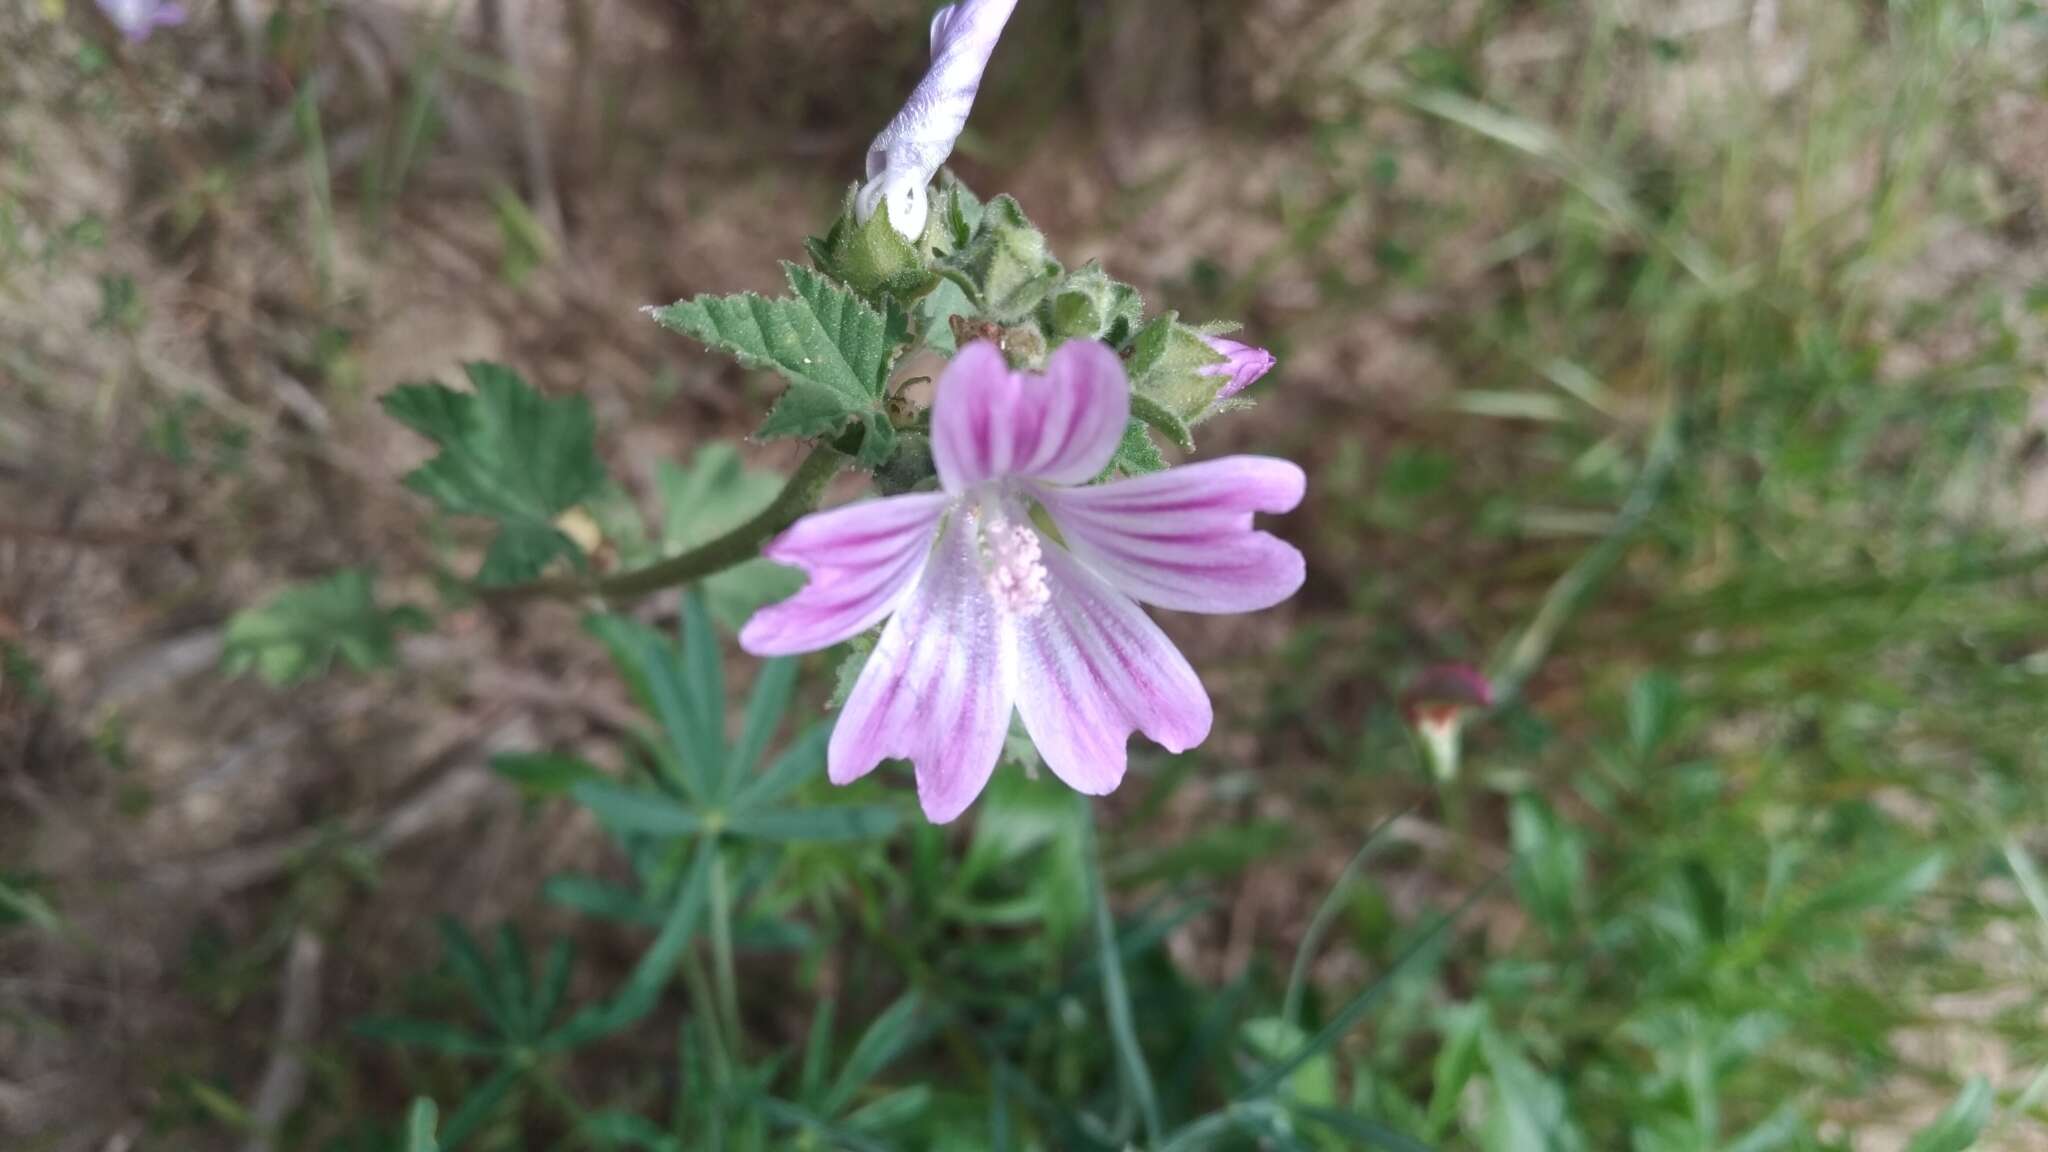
(1243, 365)
(1008, 262)
(1437, 705)
(908, 153)
(1088, 305)
(872, 258)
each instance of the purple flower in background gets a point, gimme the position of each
(908, 153)
(1244, 364)
(1015, 588)
(138, 18)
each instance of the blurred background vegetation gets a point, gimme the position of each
(1679, 363)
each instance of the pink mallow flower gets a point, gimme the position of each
(1015, 587)
(1243, 363)
(138, 18)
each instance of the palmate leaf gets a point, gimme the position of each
(300, 632)
(834, 349)
(508, 454)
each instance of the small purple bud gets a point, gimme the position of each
(1243, 363)
(138, 18)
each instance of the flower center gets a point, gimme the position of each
(1012, 565)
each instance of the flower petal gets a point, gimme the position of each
(1091, 668)
(1182, 539)
(861, 559)
(938, 689)
(989, 422)
(908, 153)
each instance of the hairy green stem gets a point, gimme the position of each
(797, 498)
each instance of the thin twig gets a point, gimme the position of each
(284, 1078)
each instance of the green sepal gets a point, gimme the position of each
(1089, 305)
(1007, 263)
(1136, 454)
(1170, 365)
(1159, 418)
(908, 468)
(872, 258)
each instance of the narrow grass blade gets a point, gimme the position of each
(1326, 914)
(1349, 1016)
(880, 1045)
(1116, 999)
(1359, 1132)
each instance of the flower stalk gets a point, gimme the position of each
(798, 498)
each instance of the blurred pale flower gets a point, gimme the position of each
(1437, 705)
(1243, 363)
(908, 153)
(138, 18)
(1016, 588)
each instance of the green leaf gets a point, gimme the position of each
(507, 454)
(803, 760)
(481, 1103)
(1957, 1128)
(637, 811)
(600, 900)
(543, 773)
(624, 1130)
(1549, 865)
(20, 905)
(466, 962)
(301, 631)
(834, 349)
(1314, 1083)
(716, 493)
(554, 981)
(704, 679)
(419, 1127)
(427, 1034)
(878, 1047)
(690, 709)
(643, 987)
(1525, 1110)
(774, 685)
(835, 825)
